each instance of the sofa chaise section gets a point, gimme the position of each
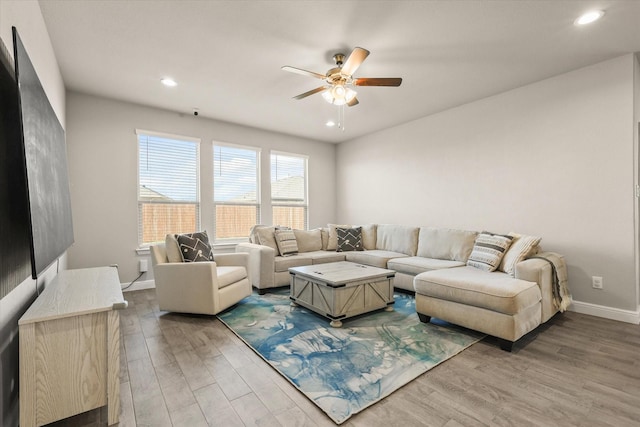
(495, 303)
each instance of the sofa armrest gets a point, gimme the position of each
(262, 264)
(539, 271)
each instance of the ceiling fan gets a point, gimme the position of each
(339, 80)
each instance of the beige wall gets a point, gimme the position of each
(103, 149)
(27, 18)
(554, 159)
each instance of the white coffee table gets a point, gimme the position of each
(340, 290)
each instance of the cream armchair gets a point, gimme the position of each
(200, 287)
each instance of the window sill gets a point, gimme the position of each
(144, 250)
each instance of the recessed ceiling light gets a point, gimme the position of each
(331, 123)
(169, 82)
(589, 17)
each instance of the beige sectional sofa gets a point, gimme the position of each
(432, 262)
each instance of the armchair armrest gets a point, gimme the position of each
(262, 265)
(240, 259)
(186, 287)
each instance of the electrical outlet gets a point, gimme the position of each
(142, 266)
(596, 282)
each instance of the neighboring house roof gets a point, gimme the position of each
(285, 189)
(150, 195)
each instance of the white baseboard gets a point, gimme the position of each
(138, 286)
(612, 313)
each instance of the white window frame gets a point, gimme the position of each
(145, 245)
(305, 202)
(258, 202)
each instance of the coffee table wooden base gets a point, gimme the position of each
(371, 290)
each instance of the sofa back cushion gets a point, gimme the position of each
(397, 238)
(308, 240)
(446, 243)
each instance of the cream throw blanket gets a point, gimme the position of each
(561, 295)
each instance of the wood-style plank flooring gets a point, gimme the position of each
(181, 370)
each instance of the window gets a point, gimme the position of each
(289, 190)
(168, 199)
(235, 191)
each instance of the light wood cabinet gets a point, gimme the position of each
(70, 347)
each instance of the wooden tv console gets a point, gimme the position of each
(70, 347)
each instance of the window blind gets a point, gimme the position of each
(289, 190)
(168, 199)
(236, 183)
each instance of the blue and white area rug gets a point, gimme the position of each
(345, 370)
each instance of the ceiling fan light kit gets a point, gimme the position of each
(339, 80)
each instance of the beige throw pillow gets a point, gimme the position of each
(286, 241)
(369, 236)
(521, 248)
(324, 232)
(172, 248)
(266, 237)
(308, 240)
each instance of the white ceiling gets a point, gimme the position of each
(226, 55)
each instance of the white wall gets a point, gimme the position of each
(636, 136)
(27, 18)
(103, 169)
(553, 159)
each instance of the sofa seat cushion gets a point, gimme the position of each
(322, 257)
(230, 275)
(494, 291)
(374, 258)
(416, 265)
(283, 263)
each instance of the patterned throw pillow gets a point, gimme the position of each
(488, 250)
(195, 247)
(521, 248)
(349, 239)
(286, 241)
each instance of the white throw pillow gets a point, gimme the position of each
(521, 248)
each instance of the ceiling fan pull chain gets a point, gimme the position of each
(341, 117)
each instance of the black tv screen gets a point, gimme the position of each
(15, 257)
(46, 165)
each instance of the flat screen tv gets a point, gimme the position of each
(45, 159)
(15, 256)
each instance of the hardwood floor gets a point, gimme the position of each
(180, 370)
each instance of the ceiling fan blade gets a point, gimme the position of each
(353, 102)
(303, 72)
(378, 81)
(354, 60)
(311, 92)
